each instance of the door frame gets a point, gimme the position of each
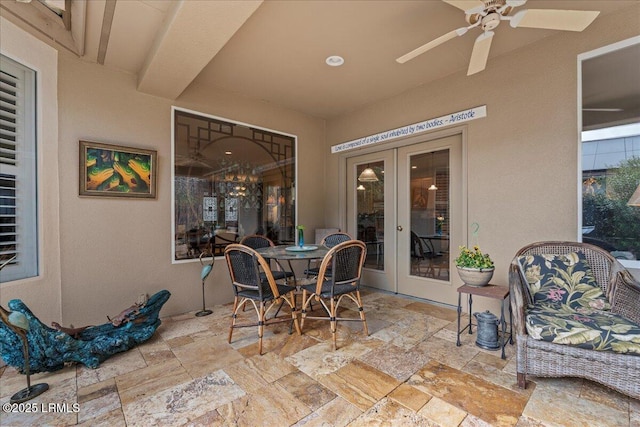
(461, 130)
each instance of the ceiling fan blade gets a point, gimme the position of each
(433, 43)
(469, 6)
(480, 53)
(568, 20)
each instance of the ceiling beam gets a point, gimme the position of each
(67, 31)
(193, 33)
(105, 32)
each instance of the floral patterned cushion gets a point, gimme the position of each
(585, 328)
(563, 279)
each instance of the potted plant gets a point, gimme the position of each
(474, 267)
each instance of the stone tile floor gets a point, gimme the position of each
(407, 372)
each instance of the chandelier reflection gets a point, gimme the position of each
(241, 181)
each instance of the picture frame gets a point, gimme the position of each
(108, 170)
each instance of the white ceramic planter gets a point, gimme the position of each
(475, 276)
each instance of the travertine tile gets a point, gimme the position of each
(604, 395)
(97, 390)
(396, 361)
(118, 364)
(209, 419)
(98, 407)
(489, 402)
(389, 413)
(114, 418)
(433, 310)
(156, 352)
(13, 381)
(150, 380)
(336, 413)
(442, 413)
(320, 360)
(447, 352)
(181, 328)
(271, 406)
(183, 403)
(38, 410)
(407, 372)
(571, 412)
(410, 397)
(496, 376)
(359, 384)
(179, 341)
(206, 355)
(306, 389)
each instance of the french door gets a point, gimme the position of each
(371, 214)
(406, 204)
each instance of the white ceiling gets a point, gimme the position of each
(275, 50)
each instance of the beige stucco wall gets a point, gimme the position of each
(114, 249)
(42, 294)
(523, 157)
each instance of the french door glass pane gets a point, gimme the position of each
(430, 216)
(370, 212)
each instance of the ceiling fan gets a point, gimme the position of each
(487, 15)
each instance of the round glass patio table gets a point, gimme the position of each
(289, 252)
(292, 253)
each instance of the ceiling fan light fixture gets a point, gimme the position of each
(368, 175)
(334, 60)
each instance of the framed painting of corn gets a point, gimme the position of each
(117, 171)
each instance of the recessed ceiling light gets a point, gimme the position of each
(335, 60)
(228, 153)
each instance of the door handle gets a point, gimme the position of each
(399, 228)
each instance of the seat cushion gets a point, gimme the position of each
(267, 295)
(563, 279)
(326, 289)
(585, 328)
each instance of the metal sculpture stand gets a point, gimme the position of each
(19, 324)
(206, 270)
(31, 391)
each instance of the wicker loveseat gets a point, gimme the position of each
(614, 362)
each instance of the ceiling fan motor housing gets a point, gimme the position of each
(491, 7)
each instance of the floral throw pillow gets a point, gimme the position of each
(564, 280)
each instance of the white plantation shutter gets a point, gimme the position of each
(18, 197)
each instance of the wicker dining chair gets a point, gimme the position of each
(346, 261)
(257, 241)
(246, 267)
(330, 240)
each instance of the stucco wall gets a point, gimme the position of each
(523, 157)
(115, 249)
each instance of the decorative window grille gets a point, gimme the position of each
(18, 180)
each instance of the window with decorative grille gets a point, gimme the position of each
(18, 180)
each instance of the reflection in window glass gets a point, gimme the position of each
(611, 190)
(370, 193)
(230, 180)
(430, 219)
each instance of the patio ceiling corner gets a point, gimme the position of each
(169, 68)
